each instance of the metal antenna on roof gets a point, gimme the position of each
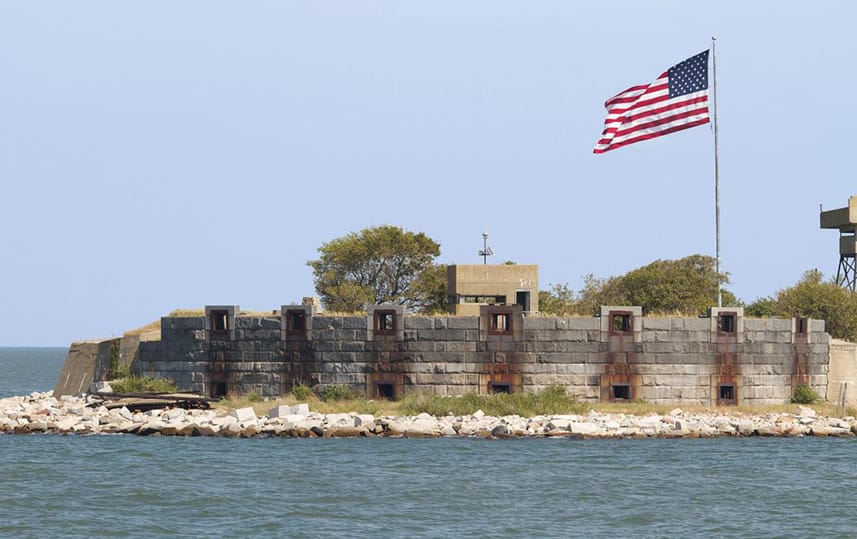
(486, 251)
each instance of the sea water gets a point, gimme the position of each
(128, 486)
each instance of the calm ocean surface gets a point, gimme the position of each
(125, 486)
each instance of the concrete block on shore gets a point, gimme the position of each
(279, 412)
(244, 415)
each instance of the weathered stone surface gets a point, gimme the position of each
(244, 414)
(364, 420)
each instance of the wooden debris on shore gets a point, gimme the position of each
(142, 402)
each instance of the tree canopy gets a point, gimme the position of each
(383, 264)
(813, 297)
(685, 286)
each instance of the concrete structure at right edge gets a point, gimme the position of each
(845, 220)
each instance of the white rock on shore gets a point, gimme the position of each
(42, 413)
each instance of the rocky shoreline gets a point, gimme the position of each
(42, 413)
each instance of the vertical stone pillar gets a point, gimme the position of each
(726, 334)
(621, 329)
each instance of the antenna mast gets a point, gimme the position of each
(486, 251)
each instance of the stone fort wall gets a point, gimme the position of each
(620, 355)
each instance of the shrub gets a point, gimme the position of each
(804, 394)
(337, 392)
(301, 392)
(253, 396)
(134, 384)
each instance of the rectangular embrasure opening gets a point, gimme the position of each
(620, 392)
(726, 394)
(726, 323)
(499, 387)
(500, 322)
(218, 389)
(385, 322)
(621, 323)
(385, 391)
(219, 320)
(295, 321)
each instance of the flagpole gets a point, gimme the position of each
(716, 175)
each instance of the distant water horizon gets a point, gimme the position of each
(29, 368)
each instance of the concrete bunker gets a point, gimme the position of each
(472, 286)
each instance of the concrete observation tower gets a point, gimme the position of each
(845, 219)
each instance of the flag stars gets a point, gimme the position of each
(689, 76)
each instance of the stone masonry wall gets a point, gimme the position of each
(660, 360)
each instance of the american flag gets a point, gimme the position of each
(677, 100)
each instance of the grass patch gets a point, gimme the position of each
(550, 401)
(186, 313)
(339, 393)
(135, 384)
(151, 326)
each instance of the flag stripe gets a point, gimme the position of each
(656, 107)
(654, 135)
(659, 124)
(639, 120)
(676, 100)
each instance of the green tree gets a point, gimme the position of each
(813, 297)
(684, 286)
(429, 290)
(559, 300)
(688, 285)
(376, 265)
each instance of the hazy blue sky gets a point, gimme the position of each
(159, 155)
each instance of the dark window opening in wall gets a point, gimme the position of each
(385, 322)
(727, 394)
(800, 326)
(499, 387)
(523, 299)
(726, 323)
(218, 389)
(485, 300)
(620, 392)
(500, 323)
(219, 320)
(384, 391)
(620, 323)
(295, 321)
